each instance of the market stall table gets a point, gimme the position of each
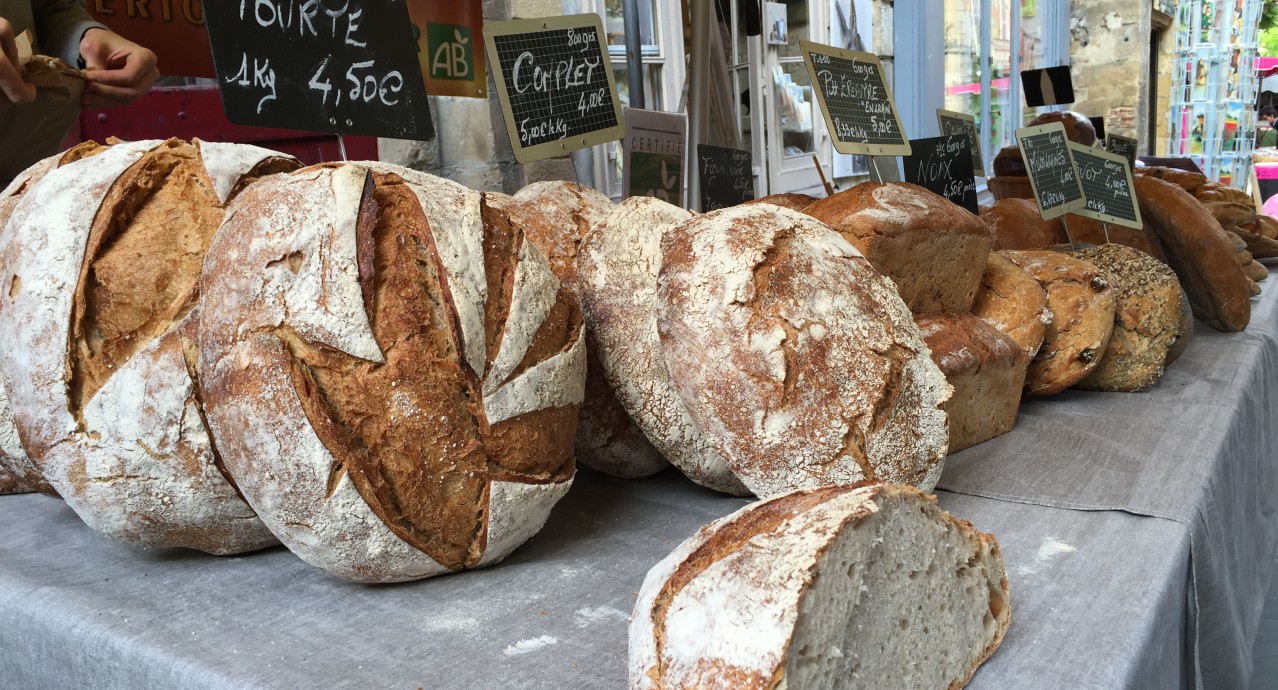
(1139, 533)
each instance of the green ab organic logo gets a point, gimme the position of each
(451, 52)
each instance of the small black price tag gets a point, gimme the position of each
(726, 177)
(347, 66)
(1052, 174)
(555, 83)
(1107, 184)
(856, 101)
(1048, 86)
(1123, 146)
(943, 165)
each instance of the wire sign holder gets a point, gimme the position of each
(555, 83)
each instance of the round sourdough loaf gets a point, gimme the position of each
(1010, 163)
(1082, 305)
(790, 200)
(840, 587)
(102, 262)
(1016, 224)
(391, 370)
(795, 356)
(1078, 128)
(618, 266)
(555, 216)
(1013, 302)
(1147, 318)
(933, 250)
(1200, 253)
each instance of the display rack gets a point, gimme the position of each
(1213, 116)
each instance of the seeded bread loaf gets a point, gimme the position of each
(1082, 305)
(391, 370)
(555, 216)
(1147, 318)
(795, 355)
(1016, 224)
(790, 200)
(934, 251)
(1199, 252)
(617, 266)
(985, 368)
(102, 258)
(840, 587)
(1013, 302)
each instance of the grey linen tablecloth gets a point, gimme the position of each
(1200, 448)
(1101, 596)
(1098, 601)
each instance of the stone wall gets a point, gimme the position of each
(1110, 58)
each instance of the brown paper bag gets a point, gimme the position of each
(35, 130)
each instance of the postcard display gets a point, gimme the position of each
(1213, 119)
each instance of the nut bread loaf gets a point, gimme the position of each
(391, 370)
(1082, 305)
(1147, 318)
(839, 587)
(555, 216)
(795, 355)
(1012, 301)
(102, 258)
(933, 250)
(1199, 251)
(1016, 224)
(617, 267)
(985, 368)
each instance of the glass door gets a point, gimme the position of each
(795, 132)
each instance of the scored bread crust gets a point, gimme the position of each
(1200, 253)
(1013, 302)
(119, 429)
(17, 473)
(392, 372)
(726, 609)
(1147, 318)
(617, 267)
(555, 216)
(933, 250)
(797, 356)
(986, 369)
(1082, 305)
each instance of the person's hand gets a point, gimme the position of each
(12, 88)
(118, 71)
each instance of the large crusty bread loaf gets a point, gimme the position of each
(840, 587)
(934, 251)
(391, 370)
(1013, 302)
(790, 200)
(1084, 230)
(617, 265)
(985, 368)
(1200, 253)
(1078, 128)
(1016, 224)
(555, 216)
(795, 355)
(1147, 318)
(102, 258)
(1082, 305)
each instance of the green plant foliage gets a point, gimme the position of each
(1269, 43)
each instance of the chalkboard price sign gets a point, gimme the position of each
(1052, 174)
(1123, 146)
(1107, 184)
(345, 66)
(856, 101)
(943, 165)
(962, 123)
(726, 176)
(555, 83)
